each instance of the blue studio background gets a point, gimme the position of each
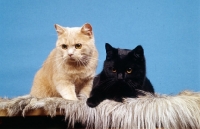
(168, 30)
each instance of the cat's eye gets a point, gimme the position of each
(129, 70)
(64, 46)
(114, 70)
(78, 46)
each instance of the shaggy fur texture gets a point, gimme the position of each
(181, 111)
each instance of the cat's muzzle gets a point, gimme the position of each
(120, 76)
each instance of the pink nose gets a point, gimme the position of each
(70, 55)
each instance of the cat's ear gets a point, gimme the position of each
(138, 52)
(87, 29)
(60, 30)
(109, 51)
(108, 47)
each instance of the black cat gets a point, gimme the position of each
(124, 72)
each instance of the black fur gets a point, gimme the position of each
(124, 72)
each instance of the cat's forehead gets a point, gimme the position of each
(73, 35)
(72, 30)
(123, 52)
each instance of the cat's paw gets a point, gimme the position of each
(82, 97)
(92, 102)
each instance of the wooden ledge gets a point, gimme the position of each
(35, 119)
(35, 112)
(3, 113)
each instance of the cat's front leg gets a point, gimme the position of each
(95, 98)
(94, 101)
(66, 90)
(86, 89)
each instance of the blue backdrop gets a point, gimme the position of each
(168, 30)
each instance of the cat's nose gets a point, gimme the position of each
(120, 76)
(70, 55)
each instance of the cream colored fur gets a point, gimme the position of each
(70, 68)
(180, 111)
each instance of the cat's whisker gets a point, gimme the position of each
(108, 86)
(107, 83)
(79, 63)
(131, 85)
(102, 82)
(94, 59)
(91, 58)
(84, 63)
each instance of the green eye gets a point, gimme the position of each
(64, 46)
(129, 70)
(114, 70)
(78, 46)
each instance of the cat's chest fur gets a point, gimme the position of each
(77, 74)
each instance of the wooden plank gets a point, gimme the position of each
(36, 112)
(3, 113)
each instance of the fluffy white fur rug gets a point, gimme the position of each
(180, 111)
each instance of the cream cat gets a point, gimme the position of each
(70, 68)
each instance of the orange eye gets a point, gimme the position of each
(64, 46)
(129, 70)
(78, 46)
(114, 70)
